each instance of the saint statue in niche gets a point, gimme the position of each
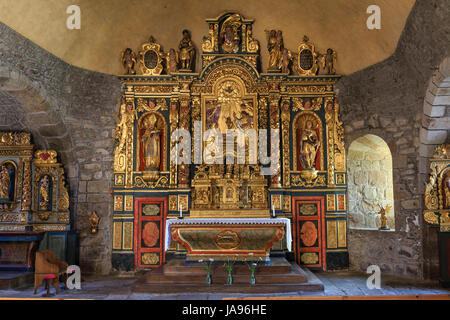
(309, 145)
(6, 183)
(44, 192)
(151, 143)
(187, 51)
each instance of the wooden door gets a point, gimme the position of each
(309, 231)
(149, 223)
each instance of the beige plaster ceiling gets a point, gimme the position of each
(109, 26)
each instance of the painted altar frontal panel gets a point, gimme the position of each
(164, 92)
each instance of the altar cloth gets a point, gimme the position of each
(230, 221)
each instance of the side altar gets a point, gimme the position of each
(223, 141)
(34, 202)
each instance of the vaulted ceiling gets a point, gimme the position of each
(109, 26)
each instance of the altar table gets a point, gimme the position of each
(220, 239)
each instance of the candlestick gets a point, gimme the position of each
(181, 212)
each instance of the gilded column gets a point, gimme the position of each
(285, 124)
(339, 158)
(330, 133)
(173, 119)
(185, 123)
(275, 124)
(26, 193)
(131, 115)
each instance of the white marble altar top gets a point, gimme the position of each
(284, 221)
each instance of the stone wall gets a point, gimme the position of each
(370, 185)
(72, 111)
(387, 99)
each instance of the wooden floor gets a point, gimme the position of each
(177, 277)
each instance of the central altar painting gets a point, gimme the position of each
(226, 161)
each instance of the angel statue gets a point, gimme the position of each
(286, 59)
(328, 61)
(128, 61)
(382, 213)
(172, 61)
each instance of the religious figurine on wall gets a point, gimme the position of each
(275, 46)
(229, 37)
(187, 52)
(44, 192)
(128, 61)
(383, 219)
(172, 61)
(151, 143)
(309, 145)
(286, 59)
(5, 183)
(328, 61)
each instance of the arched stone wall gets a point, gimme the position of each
(435, 130)
(72, 111)
(370, 185)
(387, 99)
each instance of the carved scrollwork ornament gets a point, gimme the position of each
(151, 58)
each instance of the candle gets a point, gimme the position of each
(181, 212)
(273, 211)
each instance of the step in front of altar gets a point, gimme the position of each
(177, 277)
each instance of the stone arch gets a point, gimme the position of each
(436, 113)
(25, 106)
(435, 129)
(370, 182)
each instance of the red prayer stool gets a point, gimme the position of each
(49, 278)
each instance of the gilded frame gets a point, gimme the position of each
(244, 95)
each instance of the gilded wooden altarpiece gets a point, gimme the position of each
(229, 91)
(33, 198)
